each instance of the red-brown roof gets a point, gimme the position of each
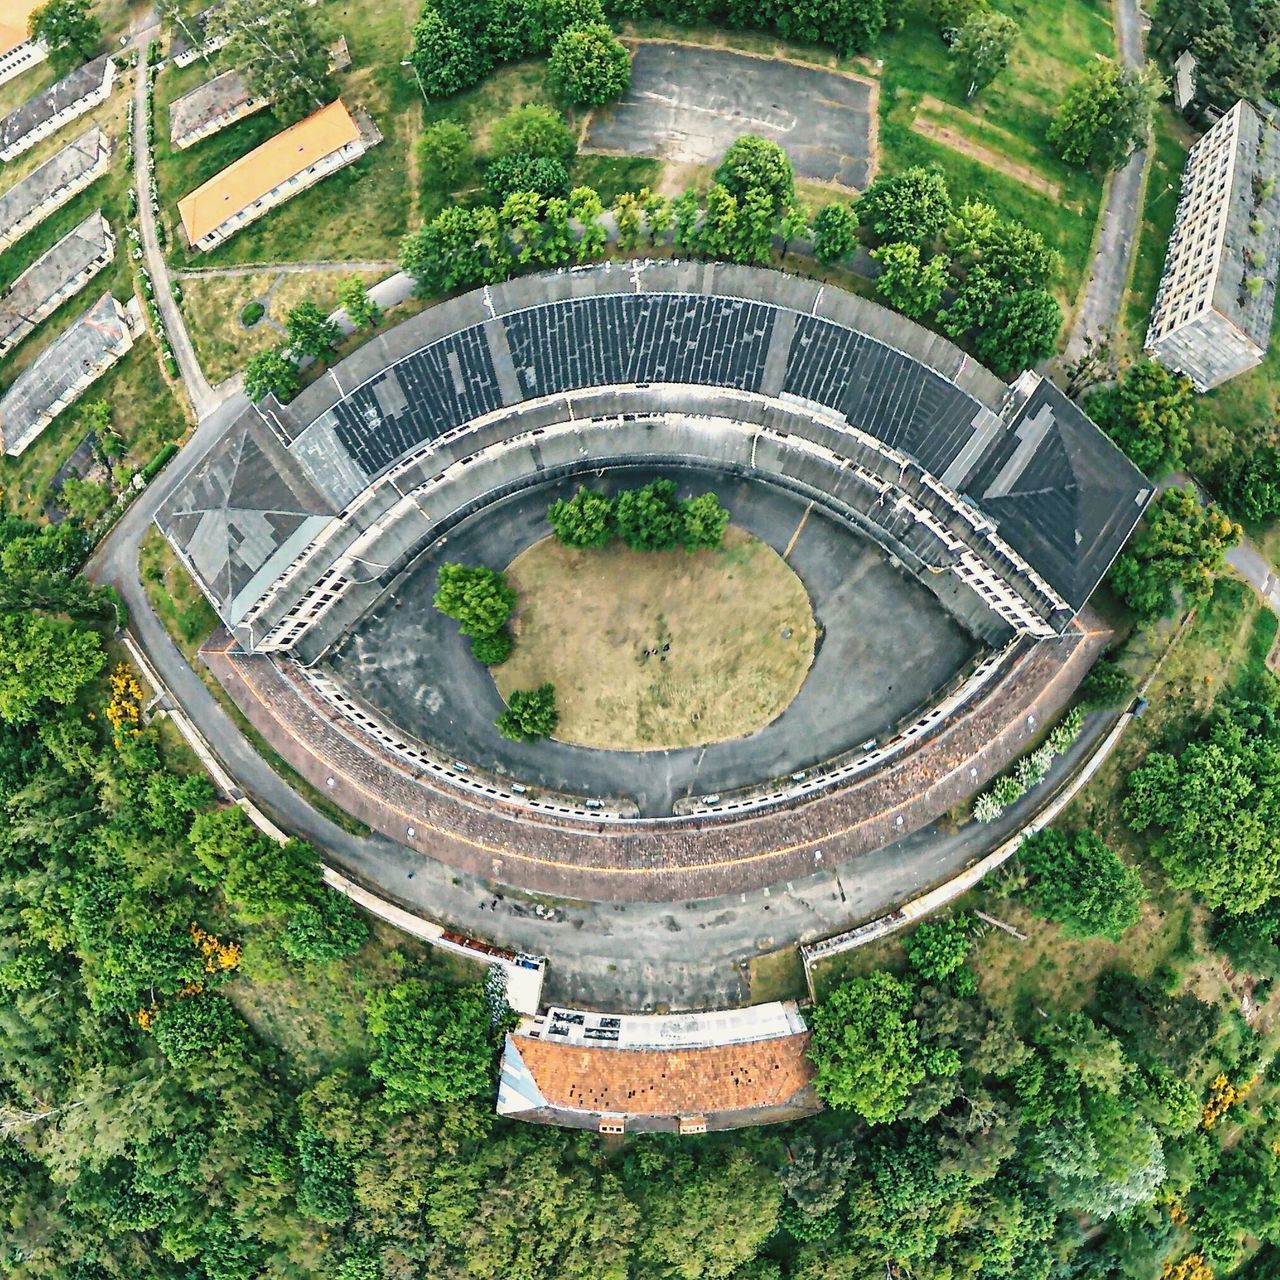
(668, 1082)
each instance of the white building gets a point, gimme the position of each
(64, 370)
(60, 103)
(18, 52)
(53, 278)
(45, 190)
(1212, 316)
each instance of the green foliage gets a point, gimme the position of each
(445, 59)
(1148, 414)
(866, 1047)
(849, 26)
(68, 30)
(585, 520)
(1215, 809)
(649, 519)
(444, 155)
(937, 948)
(1178, 553)
(476, 598)
(914, 206)
(1105, 114)
(981, 48)
(327, 928)
(589, 66)
(361, 309)
(43, 659)
(907, 282)
(200, 1031)
(756, 164)
(493, 650)
(434, 1043)
(1249, 484)
(1108, 684)
(271, 373)
(530, 714)
(510, 174)
(951, 15)
(1077, 882)
(251, 313)
(325, 1190)
(1022, 330)
(1252, 939)
(703, 521)
(835, 233)
(311, 332)
(533, 131)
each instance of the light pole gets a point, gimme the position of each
(405, 62)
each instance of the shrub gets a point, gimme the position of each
(532, 131)
(703, 522)
(756, 164)
(492, 650)
(913, 205)
(1079, 883)
(585, 520)
(444, 155)
(649, 519)
(200, 1030)
(541, 174)
(1107, 685)
(589, 66)
(530, 714)
(939, 947)
(835, 233)
(476, 598)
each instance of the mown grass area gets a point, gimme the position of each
(362, 211)
(776, 975)
(1173, 137)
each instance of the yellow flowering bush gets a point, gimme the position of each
(1223, 1095)
(124, 708)
(1192, 1267)
(219, 956)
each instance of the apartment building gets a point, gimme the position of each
(60, 103)
(44, 191)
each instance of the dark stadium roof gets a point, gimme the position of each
(1063, 497)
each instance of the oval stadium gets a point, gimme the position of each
(947, 528)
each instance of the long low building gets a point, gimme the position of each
(685, 1073)
(217, 104)
(60, 103)
(279, 169)
(18, 52)
(54, 277)
(62, 372)
(45, 190)
(191, 39)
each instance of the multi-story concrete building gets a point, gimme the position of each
(64, 369)
(269, 175)
(60, 103)
(54, 277)
(45, 190)
(1212, 317)
(18, 51)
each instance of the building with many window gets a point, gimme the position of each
(18, 52)
(1212, 316)
(279, 169)
(64, 369)
(46, 113)
(58, 274)
(44, 191)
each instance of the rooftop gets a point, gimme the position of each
(46, 276)
(265, 168)
(41, 185)
(58, 370)
(207, 102)
(179, 45)
(57, 97)
(13, 22)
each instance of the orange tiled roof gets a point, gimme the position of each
(13, 22)
(668, 1082)
(265, 168)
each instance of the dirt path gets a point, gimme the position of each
(992, 159)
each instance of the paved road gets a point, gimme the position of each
(1121, 217)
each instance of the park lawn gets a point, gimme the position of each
(187, 615)
(360, 212)
(776, 975)
(1173, 137)
(737, 625)
(212, 306)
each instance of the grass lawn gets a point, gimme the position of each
(212, 306)
(360, 212)
(777, 975)
(1164, 183)
(729, 634)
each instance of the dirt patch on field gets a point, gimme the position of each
(936, 132)
(651, 650)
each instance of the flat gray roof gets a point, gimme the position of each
(30, 194)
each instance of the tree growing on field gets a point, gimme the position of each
(43, 659)
(434, 1043)
(476, 598)
(281, 49)
(1021, 330)
(1148, 414)
(1106, 114)
(1215, 809)
(756, 164)
(492, 650)
(849, 26)
(866, 1048)
(1095, 364)
(938, 948)
(532, 130)
(658, 213)
(361, 309)
(907, 282)
(627, 219)
(530, 714)
(325, 929)
(914, 205)
(589, 66)
(982, 47)
(703, 521)
(271, 373)
(1009, 253)
(1080, 884)
(586, 209)
(1181, 550)
(68, 30)
(585, 520)
(310, 331)
(649, 519)
(202, 1030)
(835, 233)
(951, 15)
(717, 236)
(794, 225)
(513, 175)
(444, 155)
(1250, 485)
(445, 60)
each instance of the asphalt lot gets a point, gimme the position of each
(687, 104)
(411, 663)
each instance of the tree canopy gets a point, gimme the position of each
(1106, 114)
